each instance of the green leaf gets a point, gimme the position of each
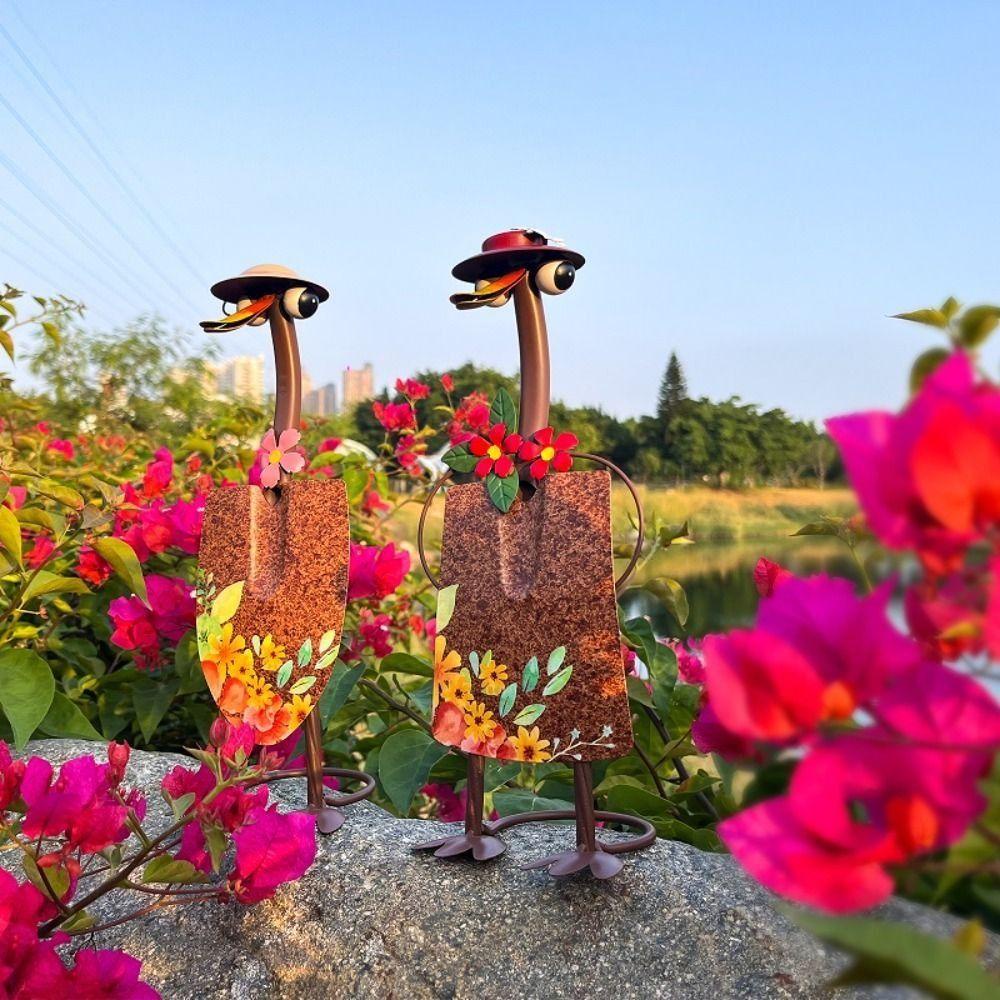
(669, 533)
(950, 307)
(44, 582)
(406, 663)
(305, 653)
(326, 659)
(404, 764)
(284, 672)
(26, 691)
(122, 558)
(529, 676)
(445, 606)
(928, 317)
(227, 602)
(926, 365)
(356, 481)
(507, 699)
(460, 459)
(65, 495)
(7, 343)
(65, 720)
(151, 700)
(326, 640)
(530, 713)
(556, 658)
(672, 594)
(302, 685)
(79, 923)
(215, 841)
(977, 324)
(818, 528)
(336, 693)
(517, 800)
(503, 410)
(10, 533)
(168, 870)
(558, 682)
(502, 492)
(474, 661)
(897, 953)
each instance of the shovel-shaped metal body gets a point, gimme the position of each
(535, 624)
(271, 600)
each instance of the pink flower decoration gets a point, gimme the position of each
(278, 455)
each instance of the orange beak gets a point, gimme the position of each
(491, 293)
(240, 318)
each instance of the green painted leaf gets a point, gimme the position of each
(502, 492)
(255, 643)
(122, 559)
(305, 653)
(227, 603)
(284, 672)
(503, 410)
(460, 459)
(10, 533)
(556, 658)
(529, 676)
(44, 582)
(65, 721)
(529, 714)
(507, 699)
(151, 700)
(445, 606)
(326, 659)
(26, 691)
(474, 661)
(166, 869)
(302, 685)
(558, 682)
(326, 640)
(404, 764)
(336, 693)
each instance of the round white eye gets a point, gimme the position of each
(555, 277)
(300, 303)
(500, 300)
(481, 284)
(257, 320)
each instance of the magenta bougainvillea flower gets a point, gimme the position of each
(767, 575)
(376, 572)
(395, 416)
(546, 449)
(277, 454)
(90, 566)
(271, 848)
(948, 614)
(496, 451)
(63, 447)
(412, 389)
(929, 478)
(170, 614)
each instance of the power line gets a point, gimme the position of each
(98, 207)
(85, 136)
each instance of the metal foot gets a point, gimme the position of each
(328, 819)
(481, 847)
(601, 864)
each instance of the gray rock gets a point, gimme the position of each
(371, 919)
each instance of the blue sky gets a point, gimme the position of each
(754, 185)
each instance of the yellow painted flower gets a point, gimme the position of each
(527, 746)
(444, 664)
(479, 723)
(241, 667)
(224, 647)
(492, 676)
(260, 694)
(457, 689)
(299, 707)
(271, 654)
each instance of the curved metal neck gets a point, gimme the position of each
(287, 370)
(533, 340)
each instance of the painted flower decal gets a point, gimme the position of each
(527, 746)
(278, 455)
(495, 451)
(547, 449)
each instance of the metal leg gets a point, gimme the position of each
(477, 837)
(328, 818)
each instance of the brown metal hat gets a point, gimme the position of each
(264, 279)
(513, 249)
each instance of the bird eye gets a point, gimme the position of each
(257, 320)
(555, 277)
(300, 303)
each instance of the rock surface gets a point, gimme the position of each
(373, 920)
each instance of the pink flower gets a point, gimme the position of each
(16, 496)
(11, 773)
(108, 975)
(412, 389)
(61, 446)
(159, 475)
(929, 478)
(395, 416)
(450, 804)
(40, 553)
(374, 633)
(43, 427)
(947, 615)
(447, 383)
(767, 575)
(689, 664)
(92, 567)
(118, 755)
(376, 572)
(278, 455)
(271, 849)
(185, 524)
(373, 503)
(170, 614)
(711, 736)
(328, 444)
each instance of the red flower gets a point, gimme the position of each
(159, 475)
(171, 614)
(546, 449)
(767, 575)
(328, 444)
(373, 503)
(376, 572)
(447, 383)
(412, 389)
(62, 447)
(92, 567)
(395, 416)
(495, 452)
(40, 553)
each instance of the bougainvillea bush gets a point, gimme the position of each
(842, 746)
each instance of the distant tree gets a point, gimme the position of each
(673, 390)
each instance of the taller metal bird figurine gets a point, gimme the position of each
(273, 562)
(528, 662)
